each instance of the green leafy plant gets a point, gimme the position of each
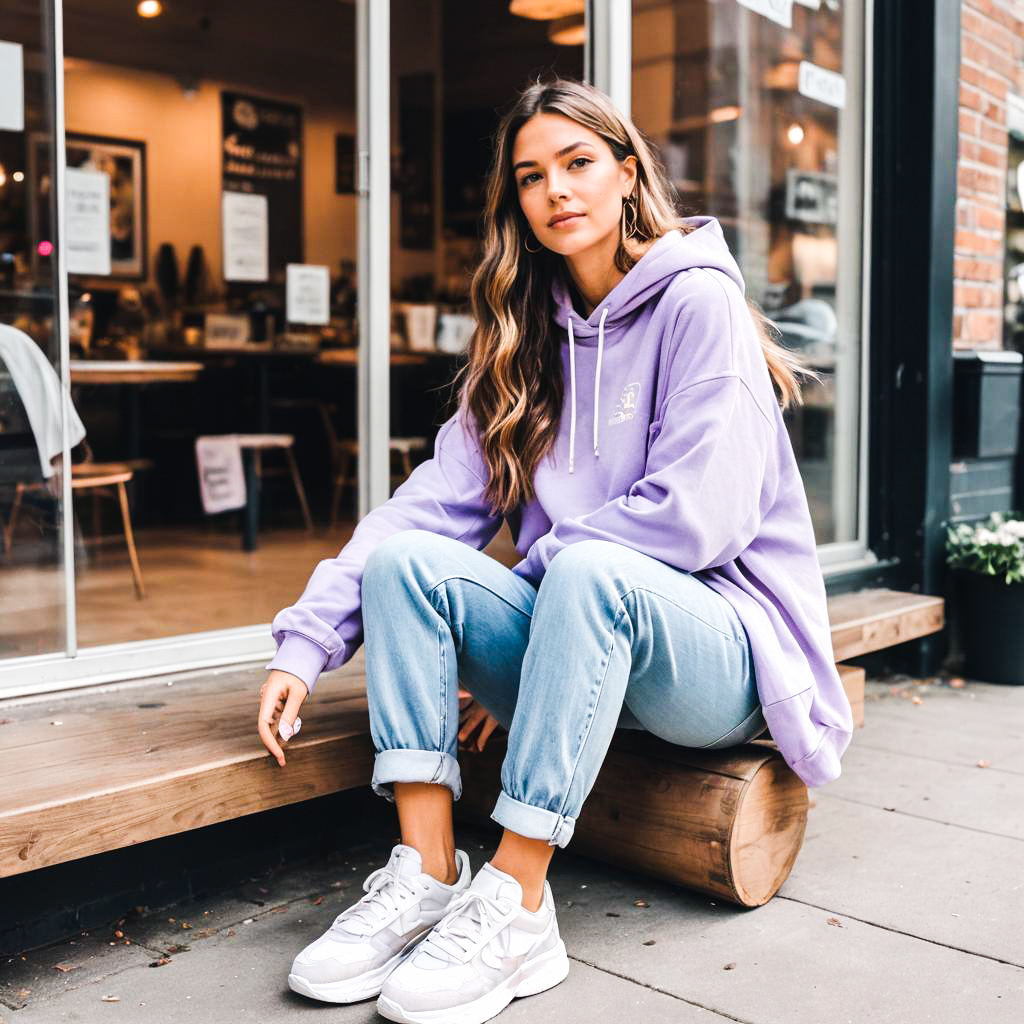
(994, 547)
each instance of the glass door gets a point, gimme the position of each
(40, 430)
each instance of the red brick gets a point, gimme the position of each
(970, 98)
(988, 219)
(992, 156)
(988, 132)
(982, 326)
(970, 124)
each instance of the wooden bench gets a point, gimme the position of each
(135, 764)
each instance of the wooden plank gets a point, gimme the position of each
(97, 788)
(853, 678)
(871, 620)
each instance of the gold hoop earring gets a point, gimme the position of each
(526, 244)
(630, 204)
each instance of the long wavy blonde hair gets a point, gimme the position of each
(512, 382)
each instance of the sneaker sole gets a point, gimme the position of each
(352, 990)
(546, 971)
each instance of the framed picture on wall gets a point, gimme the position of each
(124, 162)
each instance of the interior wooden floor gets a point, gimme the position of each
(196, 580)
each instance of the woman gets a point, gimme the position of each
(669, 578)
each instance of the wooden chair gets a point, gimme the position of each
(345, 453)
(100, 479)
(257, 444)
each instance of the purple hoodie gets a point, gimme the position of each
(687, 459)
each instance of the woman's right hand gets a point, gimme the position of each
(281, 696)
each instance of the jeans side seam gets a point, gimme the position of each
(442, 715)
(683, 608)
(587, 727)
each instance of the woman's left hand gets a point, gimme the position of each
(473, 717)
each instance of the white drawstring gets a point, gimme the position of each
(597, 375)
(597, 386)
(572, 374)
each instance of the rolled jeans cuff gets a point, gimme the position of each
(533, 822)
(414, 766)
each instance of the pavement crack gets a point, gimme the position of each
(900, 931)
(661, 991)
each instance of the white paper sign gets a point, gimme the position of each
(12, 88)
(244, 220)
(307, 294)
(814, 5)
(779, 11)
(821, 84)
(87, 241)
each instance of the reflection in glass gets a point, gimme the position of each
(747, 113)
(453, 75)
(32, 402)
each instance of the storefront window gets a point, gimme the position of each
(34, 404)
(454, 70)
(754, 108)
(211, 280)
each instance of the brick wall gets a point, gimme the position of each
(991, 65)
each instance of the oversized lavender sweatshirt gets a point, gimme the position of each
(671, 442)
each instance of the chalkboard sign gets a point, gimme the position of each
(262, 155)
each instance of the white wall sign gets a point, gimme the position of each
(814, 5)
(87, 241)
(307, 294)
(779, 11)
(12, 88)
(244, 222)
(821, 84)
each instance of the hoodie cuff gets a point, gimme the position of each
(301, 657)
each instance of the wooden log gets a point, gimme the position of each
(728, 823)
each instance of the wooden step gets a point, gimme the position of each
(870, 620)
(152, 760)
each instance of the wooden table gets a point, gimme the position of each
(133, 371)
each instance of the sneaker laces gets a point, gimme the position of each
(385, 892)
(472, 916)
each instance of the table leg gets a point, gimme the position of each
(251, 512)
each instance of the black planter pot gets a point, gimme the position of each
(991, 619)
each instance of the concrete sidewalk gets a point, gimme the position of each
(905, 905)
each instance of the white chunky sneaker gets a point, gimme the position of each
(350, 961)
(487, 950)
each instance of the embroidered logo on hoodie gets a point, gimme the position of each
(625, 408)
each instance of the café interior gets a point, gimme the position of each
(226, 134)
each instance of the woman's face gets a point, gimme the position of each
(561, 168)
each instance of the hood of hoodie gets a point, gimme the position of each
(703, 246)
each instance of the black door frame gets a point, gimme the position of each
(915, 128)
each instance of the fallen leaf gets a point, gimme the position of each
(159, 963)
(280, 910)
(957, 683)
(917, 700)
(185, 924)
(729, 967)
(110, 999)
(983, 764)
(176, 948)
(650, 942)
(317, 901)
(65, 967)
(118, 934)
(608, 913)
(835, 922)
(231, 933)
(640, 903)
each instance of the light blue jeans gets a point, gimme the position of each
(612, 638)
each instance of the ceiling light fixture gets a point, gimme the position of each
(545, 10)
(568, 31)
(795, 133)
